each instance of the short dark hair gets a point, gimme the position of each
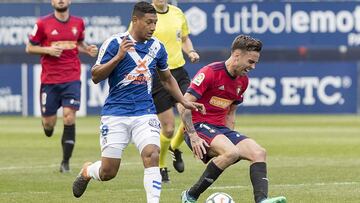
(143, 7)
(246, 43)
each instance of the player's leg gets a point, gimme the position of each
(145, 132)
(48, 123)
(167, 120)
(68, 138)
(183, 81)
(50, 101)
(226, 154)
(103, 170)
(224, 151)
(252, 151)
(152, 176)
(114, 138)
(70, 93)
(174, 150)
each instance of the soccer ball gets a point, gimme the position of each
(219, 197)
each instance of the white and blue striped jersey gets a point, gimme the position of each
(131, 80)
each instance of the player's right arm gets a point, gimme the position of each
(36, 49)
(100, 71)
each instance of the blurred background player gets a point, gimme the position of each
(220, 87)
(58, 38)
(129, 61)
(172, 30)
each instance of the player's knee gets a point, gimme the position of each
(259, 155)
(69, 120)
(167, 131)
(107, 174)
(231, 156)
(48, 125)
(151, 157)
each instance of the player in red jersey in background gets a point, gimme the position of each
(219, 87)
(58, 38)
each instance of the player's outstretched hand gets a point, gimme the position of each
(195, 106)
(92, 50)
(198, 145)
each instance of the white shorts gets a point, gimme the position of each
(116, 132)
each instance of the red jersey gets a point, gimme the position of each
(49, 31)
(214, 87)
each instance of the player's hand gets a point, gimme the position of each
(194, 57)
(126, 45)
(92, 50)
(54, 51)
(195, 106)
(198, 145)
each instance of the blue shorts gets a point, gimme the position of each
(53, 96)
(208, 132)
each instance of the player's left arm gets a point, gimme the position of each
(198, 145)
(188, 48)
(91, 50)
(230, 117)
(187, 45)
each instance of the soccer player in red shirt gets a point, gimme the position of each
(219, 87)
(58, 38)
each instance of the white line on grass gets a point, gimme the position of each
(54, 165)
(212, 188)
(247, 186)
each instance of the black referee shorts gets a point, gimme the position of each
(162, 98)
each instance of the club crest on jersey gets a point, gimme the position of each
(152, 52)
(198, 79)
(238, 90)
(74, 30)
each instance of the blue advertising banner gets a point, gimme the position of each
(10, 89)
(278, 25)
(213, 25)
(305, 88)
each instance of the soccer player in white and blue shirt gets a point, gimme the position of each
(129, 61)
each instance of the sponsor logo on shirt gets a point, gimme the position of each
(65, 44)
(141, 75)
(198, 79)
(220, 102)
(222, 87)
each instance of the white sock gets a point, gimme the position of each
(152, 184)
(93, 170)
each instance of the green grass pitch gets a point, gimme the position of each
(311, 158)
